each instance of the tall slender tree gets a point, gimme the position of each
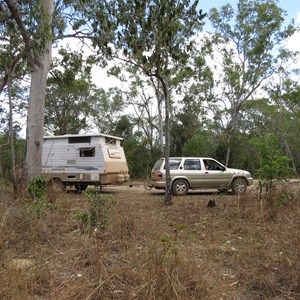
(33, 22)
(249, 41)
(153, 35)
(69, 93)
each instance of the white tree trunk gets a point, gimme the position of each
(35, 117)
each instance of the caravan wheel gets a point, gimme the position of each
(56, 185)
(80, 187)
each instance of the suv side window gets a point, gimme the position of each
(192, 164)
(212, 165)
(174, 164)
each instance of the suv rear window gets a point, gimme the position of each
(192, 164)
(174, 164)
(158, 165)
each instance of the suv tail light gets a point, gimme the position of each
(159, 175)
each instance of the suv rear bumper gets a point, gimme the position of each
(158, 184)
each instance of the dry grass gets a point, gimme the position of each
(244, 248)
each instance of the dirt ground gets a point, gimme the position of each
(243, 248)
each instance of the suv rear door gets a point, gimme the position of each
(192, 170)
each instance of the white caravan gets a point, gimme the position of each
(82, 160)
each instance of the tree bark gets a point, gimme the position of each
(11, 140)
(159, 98)
(168, 189)
(234, 126)
(1, 168)
(35, 117)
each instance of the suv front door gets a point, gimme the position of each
(216, 175)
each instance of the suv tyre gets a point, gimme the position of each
(239, 186)
(180, 187)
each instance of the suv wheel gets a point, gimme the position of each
(180, 187)
(239, 186)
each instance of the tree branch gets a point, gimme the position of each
(78, 35)
(16, 15)
(5, 144)
(10, 70)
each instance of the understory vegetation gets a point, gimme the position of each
(245, 247)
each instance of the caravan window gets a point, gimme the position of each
(79, 139)
(113, 153)
(110, 141)
(87, 152)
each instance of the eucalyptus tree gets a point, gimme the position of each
(139, 154)
(153, 35)
(33, 23)
(34, 26)
(194, 90)
(143, 99)
(106, 108)
(278, 115)
(12, 50)
(273, 164)
(285, 97)
(68, 93)
(249, 42)
(202, 143)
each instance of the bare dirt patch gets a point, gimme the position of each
(242, 248)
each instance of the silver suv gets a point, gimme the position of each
(199, 173)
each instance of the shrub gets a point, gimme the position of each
(37, 188)
(274, 166)
(96, 215)
(36, 202)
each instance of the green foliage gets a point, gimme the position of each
(124, 127)
(273, 164)
(72, 98)
(140, 156)
(37, 188)
(201, 144)
(165, 239)
(152, 32)
(285, 116)
(284, 197)
(248, 39)
(36, 203)
(69, 93)
(190, 231)
(106, 107)
(5, 155)
(96, 216)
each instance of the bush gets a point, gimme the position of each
(36, 202)
(274, 166)
(96, 216)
